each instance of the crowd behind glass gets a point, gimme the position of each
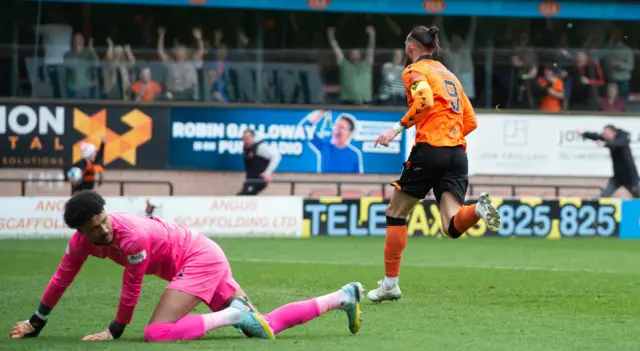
(153, 54)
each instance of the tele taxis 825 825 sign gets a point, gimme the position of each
(526, 217)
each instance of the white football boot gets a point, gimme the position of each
(486, 211)
(380, 294)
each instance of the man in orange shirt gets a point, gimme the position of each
(553, 90)
(146, 89)
(443, 116)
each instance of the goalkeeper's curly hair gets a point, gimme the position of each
(82, 206)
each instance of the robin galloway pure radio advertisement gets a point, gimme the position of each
(49, 136)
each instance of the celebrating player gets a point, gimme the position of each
(443, 116)
(195, 266)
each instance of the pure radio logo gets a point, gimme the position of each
(31, 136)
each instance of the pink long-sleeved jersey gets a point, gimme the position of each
(140, 244)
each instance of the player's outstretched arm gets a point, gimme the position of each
(135, 248)
(74, 257)
(590, 135)
(422, 96)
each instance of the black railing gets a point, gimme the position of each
(121, 183)
(383, 185)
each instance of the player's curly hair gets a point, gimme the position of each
(82, 206)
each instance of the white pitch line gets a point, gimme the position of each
(433, 265)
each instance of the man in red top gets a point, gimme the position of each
(586, 84)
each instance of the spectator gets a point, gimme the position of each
(56, 39)
(81, 63)
(552, 90)
(217, 89)
(612, 102)
(586, 83)
(619, 63)
(146, 89)
(182, 80)
(526, 69)
(592, 49)
(115, 70)
(457, 55)
(218, 74)
(355, 73)
(392, 91)
(565, 65)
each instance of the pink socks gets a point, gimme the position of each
(297, 313)
(192, 326)
(187, 328)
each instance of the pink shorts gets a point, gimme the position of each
(207, 275)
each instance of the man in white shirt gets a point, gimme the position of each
(56, 40)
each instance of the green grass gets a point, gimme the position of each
(482, 294)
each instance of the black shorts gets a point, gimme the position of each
(438, 168)
(251, 189)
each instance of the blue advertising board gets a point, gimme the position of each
(600, 10)
(630, 224)
(524, 217)
(317, 141)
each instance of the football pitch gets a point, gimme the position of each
(476, 294)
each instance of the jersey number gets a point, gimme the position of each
(452, 91)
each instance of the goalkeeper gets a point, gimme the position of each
(195, 266)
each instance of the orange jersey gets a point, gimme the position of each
(438, 106)
(550, 103)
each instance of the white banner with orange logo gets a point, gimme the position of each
(42, 217)
(544, 145)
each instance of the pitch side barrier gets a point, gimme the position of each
(295, 216)
(385, 191)
(121, 184)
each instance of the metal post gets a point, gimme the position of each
(121, 188)
(488, 69)
(23, 187)
(15, 65)
(293, 188)
(260, 54)
(339, 188)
